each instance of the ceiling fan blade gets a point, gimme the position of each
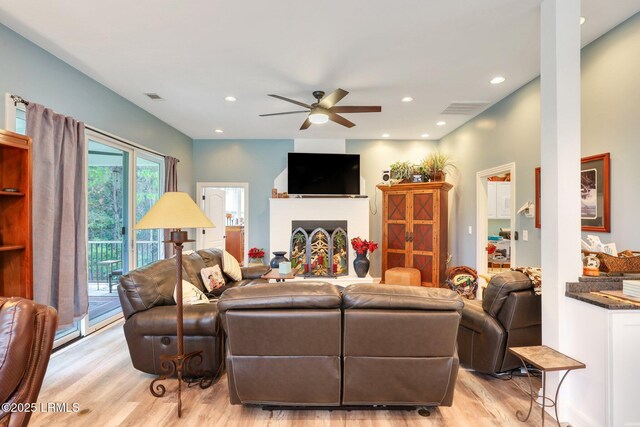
(306, 124)
(357, 109)
(340, 120)
(286, 112)
(293, 101)
(333, 98)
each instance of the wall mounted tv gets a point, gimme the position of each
(324, 174)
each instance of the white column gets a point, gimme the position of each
(560, 163)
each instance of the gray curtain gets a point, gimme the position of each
(170, 184)
(59, 213)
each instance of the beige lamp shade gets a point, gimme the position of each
(174, 210)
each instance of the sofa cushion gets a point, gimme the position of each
(213, 257)
(190, 294)
(148, 286)
(499, 288)
(231, 267)
(193, 264)
(393, 297)
(198, 320)
(280, 295)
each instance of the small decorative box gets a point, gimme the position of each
(284, 268)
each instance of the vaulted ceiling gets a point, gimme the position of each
(195, 53)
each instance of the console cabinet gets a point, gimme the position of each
(16, 275)
(414, 229)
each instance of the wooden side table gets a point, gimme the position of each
(547, 360)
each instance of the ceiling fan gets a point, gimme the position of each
(325, 109)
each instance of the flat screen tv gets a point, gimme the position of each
(324, 174)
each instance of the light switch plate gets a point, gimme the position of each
(470, 229)
(525, 235)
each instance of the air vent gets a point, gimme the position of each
(154, 96)
(465, 108)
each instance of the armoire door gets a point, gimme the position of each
(395, 231)
(423, 235)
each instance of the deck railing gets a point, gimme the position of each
(103, 250)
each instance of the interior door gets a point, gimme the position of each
(213, 205)
(424, 217)
(396, 232)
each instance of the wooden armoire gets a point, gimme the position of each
(414, 229)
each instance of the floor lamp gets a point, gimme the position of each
(175, 211)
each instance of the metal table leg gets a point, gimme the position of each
(552, 402)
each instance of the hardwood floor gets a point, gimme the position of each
(96, 372)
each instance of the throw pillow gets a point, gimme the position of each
(212, 278)
(231, 267)
(190, 294)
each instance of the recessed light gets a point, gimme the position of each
(497, 80)
(218, 131)
(230, 98)
(441, 123)
(385, 135)
(424, 135)
(407, 99)
(582, 20)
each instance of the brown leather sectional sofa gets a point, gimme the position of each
(509, 315)
(301, 343)
(308, 344)
(146, 295)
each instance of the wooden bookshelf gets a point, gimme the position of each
(16, 258)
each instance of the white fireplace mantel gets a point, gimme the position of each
(282, 212)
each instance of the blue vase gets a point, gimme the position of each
(361, 264)
(277, 259)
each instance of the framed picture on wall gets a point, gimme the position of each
(595, 193)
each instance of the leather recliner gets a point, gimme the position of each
(27, 331)
(399, 345)
(305, 344)
(509, 315)
(283, 343)
(146, 296)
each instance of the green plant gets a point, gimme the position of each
(437, 162)
(401, 170)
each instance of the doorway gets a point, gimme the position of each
(496, 219)
(227, 205)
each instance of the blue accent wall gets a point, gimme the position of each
(259, 162)
(255, 161)
(36, 75)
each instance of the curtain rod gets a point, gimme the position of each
(17, 99)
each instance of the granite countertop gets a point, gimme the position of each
(582, 289)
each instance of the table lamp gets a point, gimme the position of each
(175, 211)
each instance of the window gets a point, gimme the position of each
(123, 182)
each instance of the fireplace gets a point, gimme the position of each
(319, 248)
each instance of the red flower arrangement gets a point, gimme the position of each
(256, 253)
(362, 246)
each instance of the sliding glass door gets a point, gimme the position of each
(149, 185)
(108, 195)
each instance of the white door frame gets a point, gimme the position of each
(482, 227)
(200, 186)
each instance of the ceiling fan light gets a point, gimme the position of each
(318, 118)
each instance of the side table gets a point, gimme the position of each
(275, 275)
(547, 360)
